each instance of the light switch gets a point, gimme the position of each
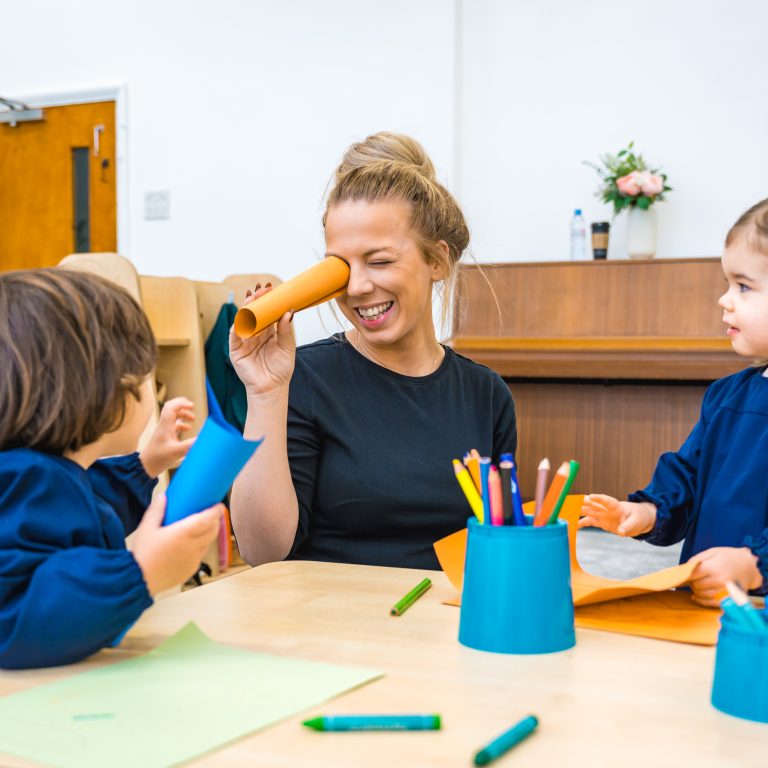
(157, 205)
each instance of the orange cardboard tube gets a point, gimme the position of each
(316, 285)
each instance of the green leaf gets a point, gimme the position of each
(644, 202)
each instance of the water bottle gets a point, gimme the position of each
(578, 237)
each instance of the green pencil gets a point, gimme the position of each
(572, 472)
(403, 605)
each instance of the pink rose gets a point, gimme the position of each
(650, 183)
(629, 185)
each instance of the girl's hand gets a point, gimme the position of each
(165, 448)
(626, 518)
(170, 555)
(717, 565)
(264, 362)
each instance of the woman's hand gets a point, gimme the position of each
(265, 361)
(170, 555)
(717, 565)
(165, 448)
(626, 518)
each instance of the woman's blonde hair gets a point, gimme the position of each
(392, 166)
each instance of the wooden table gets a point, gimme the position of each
(610, 701)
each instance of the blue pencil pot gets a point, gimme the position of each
(517, 589)
(740, 685)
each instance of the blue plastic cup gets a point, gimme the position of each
(740, 684)
(517, 589)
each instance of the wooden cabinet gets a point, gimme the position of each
(607, 361)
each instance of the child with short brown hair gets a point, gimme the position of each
(76, 355)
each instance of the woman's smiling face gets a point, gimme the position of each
(389, 295)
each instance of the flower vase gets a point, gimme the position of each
(641, 233)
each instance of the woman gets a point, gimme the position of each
(361, 427)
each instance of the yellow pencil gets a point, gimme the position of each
(465, 481)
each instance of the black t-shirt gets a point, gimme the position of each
(370, 452)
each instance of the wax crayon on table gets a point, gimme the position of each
(553, 494)
(505, 473)
(573, 470)
(751, 614)
(485, 466)
(517, 501)
(542, 473)
(375, 723)
(494, 491)
(503, 743)
(406, 602)
(469, 489)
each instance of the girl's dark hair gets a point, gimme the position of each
(72, 346)
(754, 223)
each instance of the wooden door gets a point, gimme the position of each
(57, 186)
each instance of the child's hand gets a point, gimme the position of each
(717, 565)
(626, 518)
(264, 362)
(165, 448)
(170, 555)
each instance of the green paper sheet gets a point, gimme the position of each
(188, 696)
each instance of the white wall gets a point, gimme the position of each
(550, 83)
(241, 109)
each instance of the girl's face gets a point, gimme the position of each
(125, 439)
(389, 295)
(745, 303)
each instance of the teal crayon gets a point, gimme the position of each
(503, 743)
(375, 723)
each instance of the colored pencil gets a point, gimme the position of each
(494, 491)
(573, 470)
(553, 494)
(472, 463)
(402, 605)
(542, 474)
(468, 487)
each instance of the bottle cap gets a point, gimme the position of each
(577, 212)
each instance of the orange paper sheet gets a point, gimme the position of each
(319, 284)
(643, 606)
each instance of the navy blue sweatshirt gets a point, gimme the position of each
(713, 492)
(68, 585)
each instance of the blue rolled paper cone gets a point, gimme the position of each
(211, 466)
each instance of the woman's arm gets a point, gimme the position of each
(263, 502)
(264, 508)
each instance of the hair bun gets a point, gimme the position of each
(395, 147)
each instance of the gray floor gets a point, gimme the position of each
(606, 554)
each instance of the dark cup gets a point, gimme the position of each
(600, 239)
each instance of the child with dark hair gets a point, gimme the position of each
(77, 352)
(712, 493)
